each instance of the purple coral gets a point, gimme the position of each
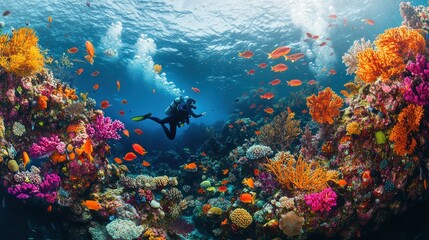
(322, 201)
(416, 86)
(45, 190)
(47, 145)
(268, 182)
(180, 226)
(104, 129)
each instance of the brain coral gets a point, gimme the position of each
(241, 217)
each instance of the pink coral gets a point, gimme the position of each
(104, 129)
(45, 190)
(322, 201)
(46, 146)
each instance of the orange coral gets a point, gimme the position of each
(65, 91)
(408, 121)
(325, 106)
(206, 208)
(394, 47)
(42, 102)
(298, 174)
(76, 128)
(20, 54)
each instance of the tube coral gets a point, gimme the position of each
(408, 121)
(20, 54)
(293, 174)
(325, 106)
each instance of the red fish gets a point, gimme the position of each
(294, 83)
(246, 54)
(139, 149)
(72, 50)
(96, 86)
(309, 35)
(197, 90)
(95, 73)
(251, 72)
(79, 71)
(275, 82)
(311, 82)
(122, 112)
(138, 131)
(294, 57)
(104, 104)
(124, 101)
(267, 96)
(332, 16)
(315, 37)
(262, 65)
(269, 110)
(322, 44)
(130, 156)
(369, 21)
(332, 72)
(145, 164)
(278, 52)
(252, 106)
(279, 68)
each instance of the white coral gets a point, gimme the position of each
(349, 58)
(124, 229)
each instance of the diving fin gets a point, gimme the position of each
(141, 118)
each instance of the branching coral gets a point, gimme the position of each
(20, 54)
(298, 174)
(394, 47)
(408, 121)
(281, 132)
(325, 106)
(350, 58)
(416, 86)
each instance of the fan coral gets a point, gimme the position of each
(258, 151)
(281, 132)
(349, 58)
(353, 128)
(416, 87)
(241, 217)
(20, 54)
(300, 175)
(325, 106)
(401, 42)
(408, 121)
(291, 224)
(322, 201)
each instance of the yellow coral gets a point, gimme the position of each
(325, 106)
(408, 121)
(214, 211)
(241, 217)
(20, 54)
(353, 128)
(299, 174)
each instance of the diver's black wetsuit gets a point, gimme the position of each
(175, 120)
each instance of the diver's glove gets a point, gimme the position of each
(141, 118)
(203, 114)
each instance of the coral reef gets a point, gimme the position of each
(322, 201)
(325, 106)
(258, 152)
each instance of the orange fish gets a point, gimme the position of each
(246, 54)
(369, 21)
(157, 68)
(294, 57)
(224, 182)
(304, 111)
(279, 68)
(92, 205)
(87, 146)
(278, 52)
(275, 82)
(294, 83)
(197, 90)
(269, 110)
(262, 65)
(145, 164)
(130, 156)
(222, 189)
(225, 171)
(118, 85)
(117, 160)
(257, 132)
(342, 182)
(345, 93)
(190, 166)
(124, 101)
(312, 82)
(256, 172)
(139, 149)
(49, 208)
(95, 73)
(91, 52)
(247, 198)
(126, 133)
(249, 182)
(333, 16)
(96, 86)
(289, 110)
(72, 50)
(138, 131)
(50, 19)
(267, 96)
(104, 104)
(79, 71)
(224, 222)
(332, 72)
(122, 113)
(25, 159)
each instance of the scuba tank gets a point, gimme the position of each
(172, 108)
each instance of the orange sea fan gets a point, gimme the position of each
(408, 121)
(368, 65)
(401, 41)
(325, 106)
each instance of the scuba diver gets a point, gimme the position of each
(178, 113)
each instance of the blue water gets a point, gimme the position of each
(197, 44)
